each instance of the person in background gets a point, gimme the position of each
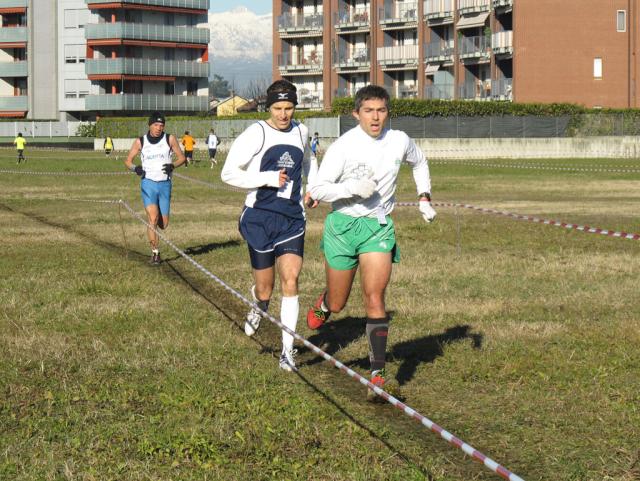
(315, 143)
(270, 158)
(108, 146)
(212, 145)
(188, 141)
(20, 143)
(155, 148)
(358, 175)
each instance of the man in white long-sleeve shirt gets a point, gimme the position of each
(269, 158)
(358, 175)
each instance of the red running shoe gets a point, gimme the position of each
(316, 316)
(377, 379)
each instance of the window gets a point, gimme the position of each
(74, 53)
(621, 17)
(76, 88)
(597, 67)
(76, 18)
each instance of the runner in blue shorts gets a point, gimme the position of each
(270, 158)
(155, 150)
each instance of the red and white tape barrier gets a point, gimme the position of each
(538, 220)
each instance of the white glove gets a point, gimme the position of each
(363, 188)
(428, 214)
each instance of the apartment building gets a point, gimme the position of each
(579, 51)
(79, 59)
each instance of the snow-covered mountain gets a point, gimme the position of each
(240, 48)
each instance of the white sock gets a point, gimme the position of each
(289, 310)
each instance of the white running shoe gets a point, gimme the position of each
(252, 323)
(254, 317)
(288, 360)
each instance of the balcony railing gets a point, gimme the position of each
(13, 34)
(438, 10)
(474, 47)
(352, 58)
(345, 92)
(310, 99)
(14, 103)
(502, 42)
(144, 102)
(310, 62)
(398, 13)
(479, 90)
(139, 66)
(14, 69)
(13, 3)
(189, 4)
(439, 51)
(294, 23)
(439, 91)
(400, 54)
(473, 6)
(503, 4)
(351, 18)
(160, 33)
(403, 91)
(501, 89)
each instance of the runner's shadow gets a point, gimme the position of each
(205, 248)
(410, 354)
(334, 336)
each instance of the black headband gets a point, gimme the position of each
(286, 96)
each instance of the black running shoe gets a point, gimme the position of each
(155, 259)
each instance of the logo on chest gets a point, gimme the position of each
(286, 161)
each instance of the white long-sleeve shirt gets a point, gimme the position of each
(355, 155)
(254, 162)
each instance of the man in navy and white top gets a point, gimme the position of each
(270, 158)
(155, 148)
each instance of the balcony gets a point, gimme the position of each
(14, 69)
(345, 92)
(473, 49)
(502, 43)
(310, 99)
(178, 4)
(351, 20)
(146, 67)
(403, 91)
(142, 102)
(473, 6)
(291, 26)
(135, 31)
(502, 89)
(400, 57)
(438, 12)
(10, 36)
(441, 51)
(479, 90)
(308, 63)
(503, 6)
(18, 103)
(352, 60)
(398, 15)
(439, 91)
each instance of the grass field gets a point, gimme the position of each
(521, 339)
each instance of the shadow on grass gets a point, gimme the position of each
(334, 336)
(69, 228)
(206, 248)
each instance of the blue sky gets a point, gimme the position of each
(258, 6)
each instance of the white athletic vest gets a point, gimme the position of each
(212, 141)
(154, 156)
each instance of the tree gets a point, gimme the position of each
(219, 87)
(256, 88)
